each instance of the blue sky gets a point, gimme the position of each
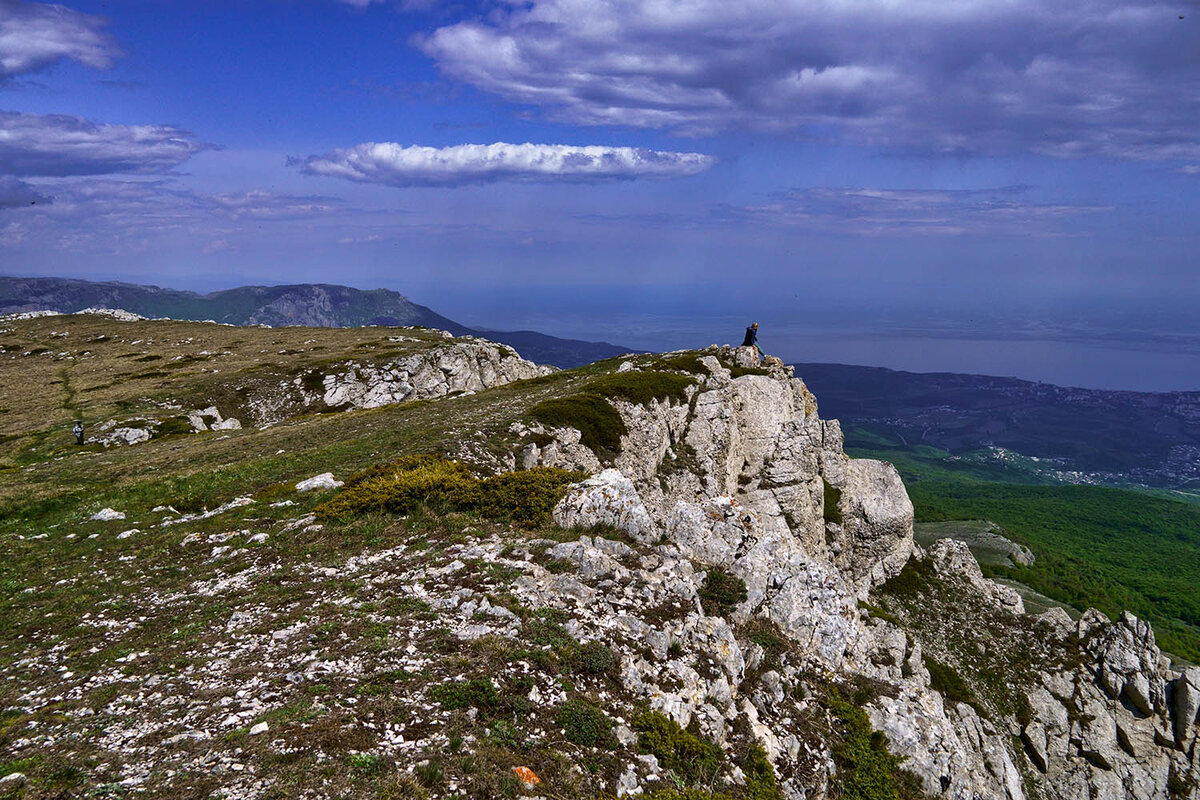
(656, 171)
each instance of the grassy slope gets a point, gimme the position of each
(1113, 549)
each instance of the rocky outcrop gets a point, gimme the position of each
(460, 366)
(756, 439)
(467, 365)
(737, 478)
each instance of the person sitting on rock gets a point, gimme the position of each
(751, 340)
(78, 431)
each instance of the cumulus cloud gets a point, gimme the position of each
(880, 212)
(16, 193)
(36, 35)
(59, 145)
(395, 165)
(1115, 78)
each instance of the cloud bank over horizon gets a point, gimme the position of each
(393, 164)
(1108, 78)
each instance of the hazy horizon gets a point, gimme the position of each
(1095, 348)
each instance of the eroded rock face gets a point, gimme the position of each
(464, 366)
(457, 367)
(755, 440)
(734, 479)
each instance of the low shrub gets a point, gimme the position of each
(833, 499)
(736, 372)
(527, 497)
(594, 417)
(391, 468)
(474, 693)
(867, 770)
(442, 486)
(173, 426)
(722, 591)
(592, 658)
(917, 577)
(949, 683)
(760, 776)
(583, 723)
(695, 760)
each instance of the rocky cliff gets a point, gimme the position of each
(1089, 709)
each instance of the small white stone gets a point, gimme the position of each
(318, 482)
(259, 728)
(107, 515)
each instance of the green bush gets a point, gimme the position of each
(474, 693)
(583, 723)
(593, 658)
(400, 487)
(760, 776)
(695, 760)
(736, 372)
(833, 500)
(593, 416)
(173, 426)
(391, 468)
(867, 770)
(525, 497)
(722, 591)
(949, 683)
(641, 387)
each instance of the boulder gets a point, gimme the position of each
(318, 483)
(606, 499)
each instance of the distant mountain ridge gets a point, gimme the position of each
(1112, 436)
(309, 304)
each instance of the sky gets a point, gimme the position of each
(992, 186)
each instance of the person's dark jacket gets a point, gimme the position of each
(751, 337)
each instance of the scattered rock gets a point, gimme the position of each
(319, 483)
(107, 515)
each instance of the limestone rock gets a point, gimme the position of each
(465, 366)
(954, 557)
(107, 515)
(606, 499)
(318, 483)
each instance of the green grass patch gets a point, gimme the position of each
(833, 500)
(722, 591)
(641, 387)
(474, 693)
(594, 417)
(583, 723)
(694, 759)
(867, 770)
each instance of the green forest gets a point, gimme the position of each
(1112, 549)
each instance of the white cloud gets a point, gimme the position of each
(35, 35)
(59, 145)
(1190, 169)
(1070, 78)
(395, 165)
(268, 206)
